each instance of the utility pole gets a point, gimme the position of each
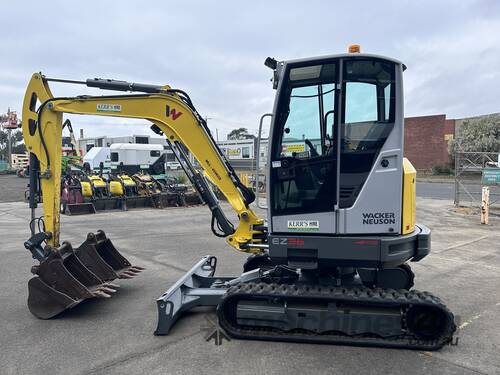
(9, 122)
(9, 151)
(216, 130)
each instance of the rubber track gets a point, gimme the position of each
(358, 295)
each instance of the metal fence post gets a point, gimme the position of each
(457, 186)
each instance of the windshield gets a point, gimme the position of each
(313, 137)
(308, 119)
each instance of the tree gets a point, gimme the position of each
(477, 134)
(18, 146)
(240, 133)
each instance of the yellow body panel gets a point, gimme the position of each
(86, 189)
(97, 181)
(178, 123)
(115, 188)
(409, 197)
(126, 180)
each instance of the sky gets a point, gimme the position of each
(215, 50)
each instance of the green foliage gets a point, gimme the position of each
(240, 133)
(71, 160)
(441, 170)
(477, 134)
(18, 146)
(181, 179)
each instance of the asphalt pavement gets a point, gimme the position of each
(12, 188)
(115, 336)
(436, 190)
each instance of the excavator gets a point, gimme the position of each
(331, 262)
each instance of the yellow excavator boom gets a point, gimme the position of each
(172, 114)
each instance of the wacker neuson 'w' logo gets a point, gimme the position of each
(172, 112)
(379, 218)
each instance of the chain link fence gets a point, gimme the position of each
(473, 170)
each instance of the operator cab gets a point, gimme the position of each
(337, 124)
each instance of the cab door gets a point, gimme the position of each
(303, 167)
(371, 141)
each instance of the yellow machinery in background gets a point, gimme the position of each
(122, 185)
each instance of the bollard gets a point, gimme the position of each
(485, 204)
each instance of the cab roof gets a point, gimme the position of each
(344, 55)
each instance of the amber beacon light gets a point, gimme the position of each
(354, 48)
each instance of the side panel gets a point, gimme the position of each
(409, 197)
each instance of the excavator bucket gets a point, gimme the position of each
(80, 209)
(67, 276)
(98, 246)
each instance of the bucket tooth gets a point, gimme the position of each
(125, 275)
(100, 294)
(107, 289)
(137, 268)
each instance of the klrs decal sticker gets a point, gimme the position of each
(304, 225)
(109, 108)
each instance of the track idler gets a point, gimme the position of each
(66, 277)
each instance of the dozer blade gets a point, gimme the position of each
(107, 203)
(62, 282)
(105, 249)
(138, 201)
(168, 199)
(192, 199)
(80, 209)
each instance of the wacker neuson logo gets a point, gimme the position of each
(379, 218)
(303, 225)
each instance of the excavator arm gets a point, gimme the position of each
(172, 114)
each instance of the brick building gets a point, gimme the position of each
(426, 140)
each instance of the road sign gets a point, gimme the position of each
(491, 176)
